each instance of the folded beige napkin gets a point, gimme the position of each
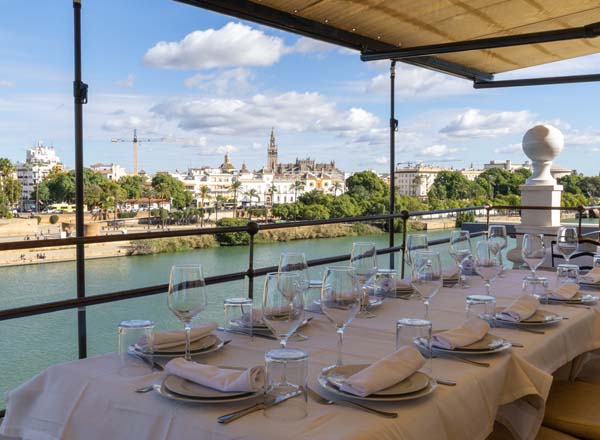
(176, 338)
(521, 308)
(384, 373)
(566, 291)
(450, 272)
(222, 379)
(593, 276)
(254, 318)
(471, 331)
(404, 285)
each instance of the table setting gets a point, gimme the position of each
(442, 339)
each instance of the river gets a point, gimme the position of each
(28, 345)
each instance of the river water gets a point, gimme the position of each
(28, 345)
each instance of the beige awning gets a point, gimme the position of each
(411, 23)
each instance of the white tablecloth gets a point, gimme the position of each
(88, 400)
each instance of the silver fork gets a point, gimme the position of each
(323, 401)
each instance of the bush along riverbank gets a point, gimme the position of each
(184, 244)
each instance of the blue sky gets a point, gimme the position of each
(216, 84)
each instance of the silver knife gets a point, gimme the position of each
(227, 418)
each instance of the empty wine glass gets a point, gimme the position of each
(295, 262)
(283, 304)
(460, 248)
(415, 242)
(364, 261)
(426, 275)
(497, 234)
(488, 262)
(533, 251)
(340, 300)
(186, 297)
(567, 241)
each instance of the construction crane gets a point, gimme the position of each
(136, 141)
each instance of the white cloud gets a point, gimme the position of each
(126, 123)
(127, 82)
(234, 45)
(419, 83)
(573, 66)
(382, 160)
(438, 150)
(309, 45)
(222, 82)
(6, 84)
(211, 150)
(473, 123)
(290, 111)
(509, 149)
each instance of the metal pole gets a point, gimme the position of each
(487, 217)
(80, 97)
(253, 230)
(393, 128)
(405, 216)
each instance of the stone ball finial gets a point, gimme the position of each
(542, 144)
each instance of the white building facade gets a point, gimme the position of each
(416, 180)
(111, 171)
(40, 161)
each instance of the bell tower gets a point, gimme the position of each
(272, 153)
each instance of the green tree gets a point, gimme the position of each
(335, 187)
(314, 212)
(133, 186)
(171, 188)
(10, 188)
(343, 206)
(204, 193)
(450, 185)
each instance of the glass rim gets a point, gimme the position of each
(187, 266)
(282, 274)
(370, 243)
(302, 254)
(426, 252)
(340, 269)
(417, 235)
(414, 322)
(480, 299)
(286, 355)
(237, 301)
(136, 323)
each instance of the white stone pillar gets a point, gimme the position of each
(541, 144)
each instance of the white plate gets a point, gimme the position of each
(540, 317)
(579, 298)
(163, 391)
(474, 350)
(196, 348)
(415, 382)
(324, 383)
(183, 387)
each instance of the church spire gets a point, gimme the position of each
(272, 152)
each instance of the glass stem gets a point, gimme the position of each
(188, 329)
(426, 309)
(488, 288)
(340, 343)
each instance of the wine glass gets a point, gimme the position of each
(340, 299)
(460, 248)
(533, 251)
(426, 275)
(497, 234)
(567, 241)
(488, 262)
(187, 297)
(415, 242)
(364, 261)
(295, 262)
(283, 304)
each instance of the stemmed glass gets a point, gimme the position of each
(497, 234)
(364, 261)
(533, 251)
(415, 242)
(340, 300)
(295, 262)
(460, 248)
(567, 241)
(488, 262)
(187, 297)
(426, 275)
(283, 304)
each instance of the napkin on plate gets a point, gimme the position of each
(471, 331)
(566, 291)
(384, 373)
(221, 379)
(176, 338)
(521, 308)
(593, 276)
(254, 318)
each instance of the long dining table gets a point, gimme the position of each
(88, 399)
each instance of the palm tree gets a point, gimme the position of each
(251, 193)
(218, 202)
(272, 190)
(204, 191)
(298, 185)
(337, 186)
(235, 186)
